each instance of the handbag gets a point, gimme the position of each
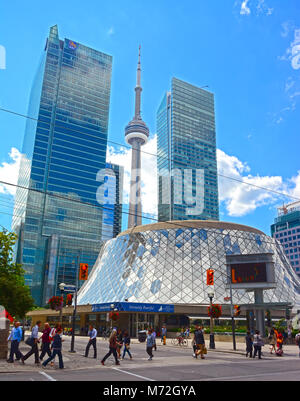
(205, 351)
(29, 341)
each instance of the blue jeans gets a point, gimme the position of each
(54, 353)
(126, 350)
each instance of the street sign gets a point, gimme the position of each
(69, 288)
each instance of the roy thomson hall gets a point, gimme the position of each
(157, 274)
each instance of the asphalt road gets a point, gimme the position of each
(168, 364)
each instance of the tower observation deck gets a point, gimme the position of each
(136, 135)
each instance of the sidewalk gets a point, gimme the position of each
(76, 361)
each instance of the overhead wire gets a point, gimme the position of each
(56, 123)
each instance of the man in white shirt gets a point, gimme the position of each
(34, 347)
(93, 338)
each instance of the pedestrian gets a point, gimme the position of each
(285, 336)
(272, 340)
(112, 348)
(92, 341)
(187, 332)
(149, 344)
(34, 344)
(164, 335)
(289, 335)
(56, 349)
(297, 339)
(154, 339)
(199, 342)
(279, 344)
(126, 342)
(52, 335)
(119, 342)
(249, 344)
(258, 343)
(45, 341)
(15, 337)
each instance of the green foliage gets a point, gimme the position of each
(14, 294)
(281, 325)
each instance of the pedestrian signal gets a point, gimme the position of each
(210, 277)
(83, 271)
(237, 310)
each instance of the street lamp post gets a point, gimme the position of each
(232, 316)
(211, 336)
(61, 287)
(72, 350)
(112, 308)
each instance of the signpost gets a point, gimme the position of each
(255, 273)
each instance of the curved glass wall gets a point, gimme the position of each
(168, 265)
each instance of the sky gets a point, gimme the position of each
(246, 51)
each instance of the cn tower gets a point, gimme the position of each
(136, 135)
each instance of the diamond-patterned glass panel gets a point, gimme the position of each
(169, 266)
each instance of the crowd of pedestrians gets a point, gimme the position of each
(119, 343)
(276, 340)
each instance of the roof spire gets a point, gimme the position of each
(138, 89)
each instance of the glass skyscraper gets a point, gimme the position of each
(112, 201)
(186, 149)
(286, 229)
(59, 220)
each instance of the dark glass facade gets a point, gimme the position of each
(59, 221)
(112, 201)
(186, 148)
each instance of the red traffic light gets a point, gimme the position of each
(210, 277)
(83, 271)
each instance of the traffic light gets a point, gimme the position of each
(210, 277)
(83, 271)
(237, 310)
(69, 299)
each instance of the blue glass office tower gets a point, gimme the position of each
(59, 221)
(186, 149)
(286, 229)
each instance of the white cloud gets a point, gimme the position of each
(241, 199)
(111, 31)
(295, 181)
(245, 10)
(258, 6)
(9, 172)
(292, 53)
(287, 26)
(289, 84)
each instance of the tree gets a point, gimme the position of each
(14, 294)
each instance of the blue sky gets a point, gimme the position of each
(246, 51)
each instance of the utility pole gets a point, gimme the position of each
(72, 350)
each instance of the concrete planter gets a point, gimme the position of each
(4, 332)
